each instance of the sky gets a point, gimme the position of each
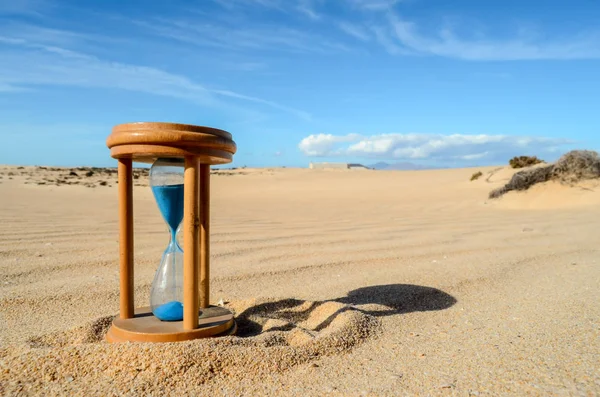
(436, 83)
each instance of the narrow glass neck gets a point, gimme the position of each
(173, 239)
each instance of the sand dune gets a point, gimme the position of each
(343, 283)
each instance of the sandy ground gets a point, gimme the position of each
(344, 282)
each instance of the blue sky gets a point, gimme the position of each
(439, 83)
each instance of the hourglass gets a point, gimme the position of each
(180, 156)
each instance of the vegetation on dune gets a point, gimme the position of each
(524, 161)
(573, 167)
(576, 166)
(476, 176)
(523, 180)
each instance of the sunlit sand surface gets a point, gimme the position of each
(343, 283)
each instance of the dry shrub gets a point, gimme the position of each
(476, 175)
(576, 166)
(523, 180)
(573, 167)
(524, 161)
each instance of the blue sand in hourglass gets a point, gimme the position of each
(170, 203)
(172, 311)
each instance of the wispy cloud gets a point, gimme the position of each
(23, 32)
(426, 146)
(446, 43)
(375, 5)
(230, 4)
(57, 66)
(267, 3)
(247, 38)
(306, 7)
(5, 87)
(383, 37)
(354, 30)
(370, 21)
(299, 113)
(24, 7)
(26, 65)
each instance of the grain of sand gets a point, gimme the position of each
(343, 282)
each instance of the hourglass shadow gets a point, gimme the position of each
(381, 300)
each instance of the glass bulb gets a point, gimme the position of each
(166, 294)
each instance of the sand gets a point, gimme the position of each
(343, 282)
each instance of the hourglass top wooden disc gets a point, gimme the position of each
(146, 141)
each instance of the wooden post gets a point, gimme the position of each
(125, 176)
(204, 235)
(191, 228)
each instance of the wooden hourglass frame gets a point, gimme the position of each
(199, 147)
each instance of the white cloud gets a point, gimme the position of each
(474, 156)
(427, 146)
(323, 144)
(446, 43)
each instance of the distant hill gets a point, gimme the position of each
(406, 166)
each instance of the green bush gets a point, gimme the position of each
(524, 161)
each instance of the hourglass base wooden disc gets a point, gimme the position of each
(144, 327)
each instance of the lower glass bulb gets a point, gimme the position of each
(166, 294)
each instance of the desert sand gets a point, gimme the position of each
(343, 283)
